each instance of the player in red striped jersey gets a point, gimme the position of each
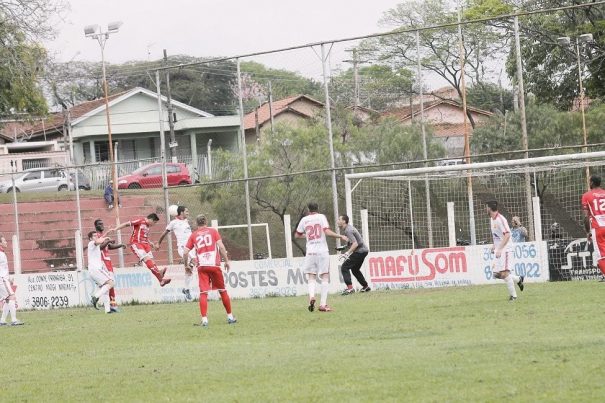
(502, 249)
(593, 205)
(209, 248)
(141, 245)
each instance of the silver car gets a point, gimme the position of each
(45, 180)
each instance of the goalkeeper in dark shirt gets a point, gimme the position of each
(353, 258)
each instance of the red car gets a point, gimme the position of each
(150, 176)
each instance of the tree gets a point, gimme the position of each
(547, 128)
(439, 53)
(20, 64)
(257, 78)
(23, 24)
(550, 69)
(490, 97)
(380, 86)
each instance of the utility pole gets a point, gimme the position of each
(173, 144)
(524, 138)
(271, 105)
(355, 62)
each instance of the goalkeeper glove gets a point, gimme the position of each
(344, 257)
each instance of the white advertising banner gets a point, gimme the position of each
(47, 290)
(420, 268)
(457, 266)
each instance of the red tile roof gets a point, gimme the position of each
(278, 107)
(405, 112)
(54, 121)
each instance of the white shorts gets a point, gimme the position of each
(502, 263)
(181, 249)
(100, 276)
(6, 289)
(317, 264)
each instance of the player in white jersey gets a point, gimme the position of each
(98, 272)
(503, 250)
(182, 231)
(314, 227)
(7, 295)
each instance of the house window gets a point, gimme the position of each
(101, 151)
(36, 163)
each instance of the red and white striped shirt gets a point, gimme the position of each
(140, 231)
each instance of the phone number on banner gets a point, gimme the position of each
(525, 261)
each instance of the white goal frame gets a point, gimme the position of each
(352, 180)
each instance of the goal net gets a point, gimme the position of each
(408, 208)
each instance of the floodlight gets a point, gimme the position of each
(564, 40)
(91, 30)
(585, 38)
(114, 26)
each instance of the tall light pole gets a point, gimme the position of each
(96, 32)
(566, 41)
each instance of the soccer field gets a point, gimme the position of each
(451, 344)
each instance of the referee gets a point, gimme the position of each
(354, 257)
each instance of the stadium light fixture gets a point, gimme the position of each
(95, 32)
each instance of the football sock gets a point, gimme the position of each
(12, 307)
(154, 269)
(514, 277)
(101, 291)
(107, 303)
(311, 288)
(324, 292)
(4, 312)
(112, 296)
(226, 301)
(510, 284)
(188, 277)
(203, 304)
(204, 319)
(230, 316)
(601, 265)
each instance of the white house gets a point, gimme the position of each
(135, 129)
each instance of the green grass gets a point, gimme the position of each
(455, 344)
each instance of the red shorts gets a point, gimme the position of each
(210, 278)
(142, 250)
(598, 239)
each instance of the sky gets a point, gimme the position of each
(205, 28)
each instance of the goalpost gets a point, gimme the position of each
(396, 205)
(239, 226)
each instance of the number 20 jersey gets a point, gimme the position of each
(203, 241)
(313, 226)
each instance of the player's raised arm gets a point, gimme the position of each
(120, 226)
(157, 246)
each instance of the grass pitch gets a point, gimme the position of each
(452, 344)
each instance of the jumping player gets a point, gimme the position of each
(593, 205)
(7, 295)
(182, 230)
(502, 250)
(100, 228)
(314, 227)
(141, 245)
(209, 249)
(98, 272)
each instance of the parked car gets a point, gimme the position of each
(36, 180)
(150, 176)
(83, 181)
